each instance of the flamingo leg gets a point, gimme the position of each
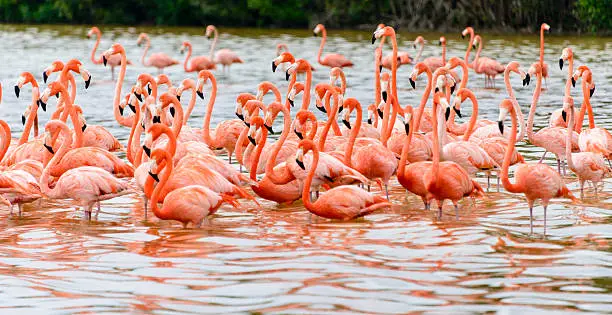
(12, 206)
(146, 204)
(440, 203)
(113, 73)
(530, 219)
(582, 189)
(387, 191)
(20, 207)
(98, 210)
(559, 166)
(456, 211)
(545, 206)
(488, 181)
(229, 155)
(369, 188)
(497, 182)
(595, 187)
(543, 156)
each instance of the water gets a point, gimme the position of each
(280, 259)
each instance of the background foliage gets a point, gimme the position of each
(523, 15)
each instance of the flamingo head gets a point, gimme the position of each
(477, 41)
(407, 118)
(273, 109)
(466, 31)
(25, 78)
(93, 31)
(54, 88)
(203, 77)
(251, 109)
(54, 67)
(293, 68)
(505, 107)
(263, 88)
(419, 41)
(350, 103)
(184, 46)
(304, 147)
(568, 106)
(442, 41)
(378, 58)
(116, 48)
(297, 88)
(186, 84)
(318, 28)
(584, 72)
(301, 118)
(515, 67)
(76, 66)
(545, 27)
(256, 123)
(335, 74)
(385, 31)
(26, 113)
(416, 71)
(142, 37)
(320, 90)
(81, 119)
(163, 79)
(534, 70)
(281, 58)
(371, 110)
(566, 54)
(210, 29)
(454, 62)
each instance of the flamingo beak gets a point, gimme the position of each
(132, 107)
(287, 75)
(23, 119)
(407, 128)
(178, 97)
(300, 164)
(452, 89)
(156, 119)
(45, 76)
(270, 129)
(154, 176)
(369, 121)
(573, 82)
(120, 110)
(240, 116)
(49, 148)
(172, 111)
(380, 113)
(87, 82)
(457, 111)
(591, 92)
(561, 63)
(291, 102)
(500, 125)
(322, 109)
(200, 94)
(17, 90)
(346, 123)
(380, 68)
(273, 66)
(373, 38)
(564, 115)
(462, 36)
(447, 113)
(146, 150)
(104, 60)
(527, 79)
(84, 127)
(149, 88)
(42, 105)
(384, 96)
(412, 83)
(299, 134)
(252, 140)
(138, 96)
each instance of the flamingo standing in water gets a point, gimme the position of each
(157, 60)
(468, 31)
(588, 166)
(187, 204)
(432, 62)
(387, 61)
(113, 61)
(197, 63)
(543, 28)
(226, 57)
(339, 203)
(535, 180)
(330, 60)
(557, 117)
(487, 66)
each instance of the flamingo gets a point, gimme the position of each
(87, 185)
(535, 180)
(432, 63)
(97, 136)
(226, 57)
(187, 204)
(387, 62)
(588, 166)
(487, 66)
(543, 28)
(197, 63)
(330, 60)
(557, 118)
(339, 203)
(117, 49)
(113, 61)
(157, 60)
(468, 31)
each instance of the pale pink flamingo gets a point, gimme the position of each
(588, 166)
(115, 50)
(330, 60)
(226, 57)
(432, 62)
(292, 71)
(340, 203)
(447, 180)
(113, 62)
(387, 61)
(157, 60)
(468, 31)
(97, 136)
(543, 28)
(557, 117)
(187, 204)
(535, 180)
(197, 63)
(487, 66)
(86, 185)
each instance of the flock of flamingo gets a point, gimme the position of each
(178, 171)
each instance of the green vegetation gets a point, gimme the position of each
(524, 15)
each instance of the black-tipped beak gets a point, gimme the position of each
(49, 148)
(447, 113)
(154, 176)
(322, 109)
(340, 109)
(591, 92)
(146, 150)
(200, 94)
(270, 129)
(287, 75)
(500, 125)
(247, 124)
(149, 88)
(380, 68)
(138, 96)
(412, 83)
(561, 63)
(384, 96)
(178, 97)
(23, 119)
(104, 60)
(314, 34)
(299, 134)
(527, 79)
(452, 89)
(240, 116)
(87, 83)
(252, 140)
(564, 115)
(407, 128)
(473, 46)
(369, 121)
(132, 107)
(436, 90)
(17, 90)
(45, 76)
(346, 123)
(291, 102)
(300, 164)
(156, 119)
(57, 95)
(120, 110)
(414, 46)
(462, 36)
(380, 113)
(84, 127)
(573, 82)
(457, 111)
(172, 111)
(273, 67)
(42, 105)
(373, 39)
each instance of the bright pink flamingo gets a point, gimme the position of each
(197, 63)
(87, 185)
(287, 57)
(226, 57)
(227, 132)
(114, 61)
(558, 118)
(487, 66)
(187, 204)
(543, 28)
(588, 166)
(157, 60)
(97, 136)
(340, 203)
(535, 180)
(387, 61)
(330, 60)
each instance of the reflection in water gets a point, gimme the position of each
(280, 259)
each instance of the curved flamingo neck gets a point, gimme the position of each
(214, 43)
(270, 173)
(419, 53)
(330, 120)
(424, 99)
(401, 171)
(473, 119)
(435, 169)
(164, 215)
(568, 139)
(257, 153)
(135, 125)
(95, 48)
(118, 87)
(6, 138)
(186, 65)
(177, 124)
(32, 117)
(542, 47)
(326, 105)
(515, 104)
(377, 87)
(64, 147)
(209, 108)
(394, 67)
(466, 59)
(534, 104)
(480, 44)
(192, 100)
(394, 111)
(513, 188)
(323, 40)
(144, 53)
(348, 151)
(586, 105)
(306, 189)
(570, 72)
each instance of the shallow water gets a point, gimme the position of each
(280, 259)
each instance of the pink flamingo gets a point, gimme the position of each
(543, 28)
(588, 166)
(287, 57)
(197, 63)
(157, 60)
(487, 66)
(114, 61)
(226, 57)
(558, 118)
(340, 203)
(387, 62)
(115, 50)
(97, 136)
(187, 204)
(432, 62)
(468, 31)
(330, 60)
(535, 180)
(87, 185)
